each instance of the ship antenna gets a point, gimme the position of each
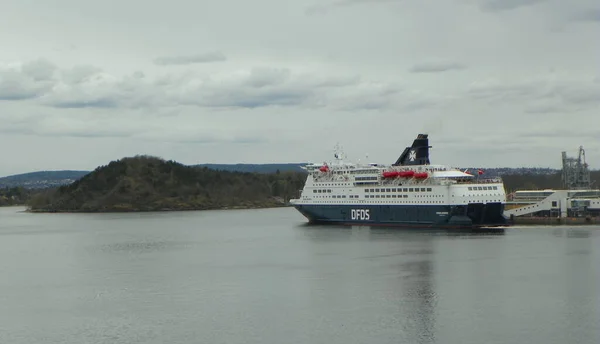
(338, 153)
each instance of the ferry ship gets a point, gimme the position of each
(410, 192)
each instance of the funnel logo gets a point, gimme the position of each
(412, 155)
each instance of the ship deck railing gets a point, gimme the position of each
(494, 180)
(465, 181)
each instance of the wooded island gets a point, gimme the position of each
(146, 183)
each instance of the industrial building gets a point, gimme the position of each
(577, 198)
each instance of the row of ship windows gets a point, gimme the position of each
(399, 190)
(357, 171)
(378, 196)
(382, 190)
(475, 188)
(332, 184)
(386, 196)
(366, 178)
(366, 196)
(404, 202)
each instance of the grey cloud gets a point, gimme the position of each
(419, 100)
(15, 127)
(13, 91)
(36, 126)
(214, 56)
(86, 86)
(249, 139)
(200, 135)
(260, 77)
(338, 81)
(420, 104)
(376, 96)
(541, 95)
(39, 70)
(376, 103)
(496, 90)
(105, 103)
(547, 138)
(80, 73)
(205, 139)
(581, 94)
(436, 67)
(544, 108)
(86, 133)
(324, 8)
(29, 81)
(588, 15)
(244, 98)
(552, 132)
(504, 5)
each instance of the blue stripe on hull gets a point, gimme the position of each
(473, 215)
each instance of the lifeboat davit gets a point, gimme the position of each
(421, 175)
(324, 168)
(406, 174)
(390, 174)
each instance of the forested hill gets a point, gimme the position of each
(256, 168)
(145, 183)
(48, 179)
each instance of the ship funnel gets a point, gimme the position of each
(417, 154)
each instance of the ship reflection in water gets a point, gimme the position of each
(445, 286)
(396, 274)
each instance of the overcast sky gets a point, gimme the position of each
(494, 82)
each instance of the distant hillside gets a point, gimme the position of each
(529, 181)
(513, 171)
(41, 179)
(256, 168)
(49, 179)
(144, 183)
(515, 177)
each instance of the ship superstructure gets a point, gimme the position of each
(410, 192)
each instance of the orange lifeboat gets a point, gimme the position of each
(421, 175)
(406, 174)
(324, 168)
(390, 174)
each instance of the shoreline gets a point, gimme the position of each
(107, 211)
(580, 221)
